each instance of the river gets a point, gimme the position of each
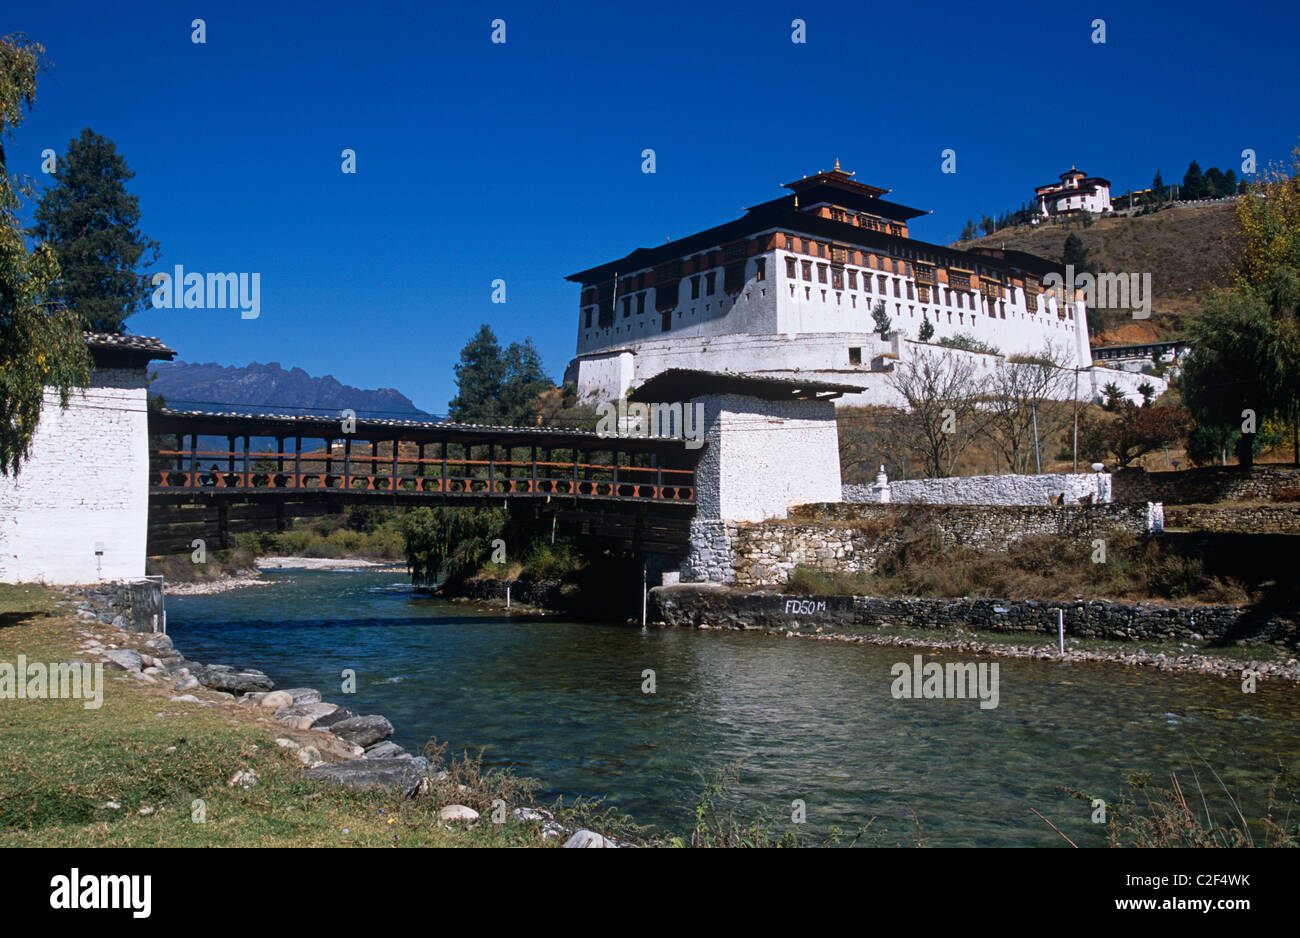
(810, 720)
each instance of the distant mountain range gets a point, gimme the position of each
(269, 388)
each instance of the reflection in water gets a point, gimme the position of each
(813, 720)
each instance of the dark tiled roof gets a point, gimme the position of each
(679, 384)
(781, 214)
(208, 423)
(131, 343)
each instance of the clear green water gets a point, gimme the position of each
(811, 720)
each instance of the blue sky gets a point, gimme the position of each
(522, 161)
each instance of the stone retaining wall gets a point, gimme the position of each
(711, 606)
(844, 537)
(1204, 486)
(1281, 518)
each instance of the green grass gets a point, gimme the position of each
(61, 763)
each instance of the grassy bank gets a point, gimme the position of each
(64, 767)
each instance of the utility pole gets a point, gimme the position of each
(1076, 419)
(1037, 462)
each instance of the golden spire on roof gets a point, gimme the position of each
(837, 164)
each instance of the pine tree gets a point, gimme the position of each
(1215, 183)
(480, 380)
(881, 319)
(39, 347)
(90, 221)
(1157, 187)
(1075, 253)
(1230, 183)
(525, 379)
(1193, 183)
(926, 332)
(968, 232)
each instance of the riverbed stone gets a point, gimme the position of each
(402, 775)
(588, 839)
(223, 678)
(123, 659)
(453, 813)
(364, 731)
(302, 696)
(342, 713)
(302, 718)
(385, 750)
(276, 700)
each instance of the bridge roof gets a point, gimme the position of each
(679, 384)
(205, 423)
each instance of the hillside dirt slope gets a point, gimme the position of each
(1187, 250)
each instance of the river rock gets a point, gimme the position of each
(342, 713)
(187, 683)
(123, 659)
(456, 812)
(385, 750)
(401, 775)
(224, 678)
(364, 731)
(276, 700)
(302, 718)
(586, 838)
(302, 696)
(160, 644)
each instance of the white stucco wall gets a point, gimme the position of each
(991, 490)
(762, 457)
(86, 483)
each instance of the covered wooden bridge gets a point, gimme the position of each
(212, 475)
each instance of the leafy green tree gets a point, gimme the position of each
(480, 379)
(1193, 183)
(40, 346)
(452, 543)
(92, 223)
(1241, 368)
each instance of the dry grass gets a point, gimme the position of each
(923, 563)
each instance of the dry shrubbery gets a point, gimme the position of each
(924, 563)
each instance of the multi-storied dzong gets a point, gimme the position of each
(789, 288)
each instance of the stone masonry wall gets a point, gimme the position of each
(1202, 486)
(710, 558)
(1258, 519)
(693, 606)
(849, 538)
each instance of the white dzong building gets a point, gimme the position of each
(788, 290)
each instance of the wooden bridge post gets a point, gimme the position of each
(392, 482)
(492, 468)
(297, 462)
(533, 487)
(194, 459)
(444, 467)
(347, 464)
(248, 476)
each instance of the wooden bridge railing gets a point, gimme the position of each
(179, 470)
